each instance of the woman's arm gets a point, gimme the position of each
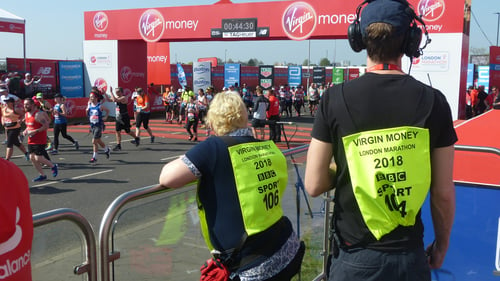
(176, 174)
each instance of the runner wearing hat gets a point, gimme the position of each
(47, 108)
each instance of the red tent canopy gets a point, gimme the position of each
(11, 23)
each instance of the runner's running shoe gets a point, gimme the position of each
(76, 145)
(93, 160)
(152, 139)
(40, 178)
(54, 170)
(117, 147)
(107, 152)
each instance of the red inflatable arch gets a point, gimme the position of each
(117, 42)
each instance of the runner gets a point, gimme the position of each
(11, 120)
(37, 123)
(192, 112)
(94, 112)
(60, 123)
(167, 102)
(298, 99)
(47, 108)
(143, 114)
(122, 119)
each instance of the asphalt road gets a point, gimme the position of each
(90, 188)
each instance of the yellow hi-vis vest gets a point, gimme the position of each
(261, 176)
(390, 171)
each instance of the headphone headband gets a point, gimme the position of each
(413, 36)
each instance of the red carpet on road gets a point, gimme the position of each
(296, 136)
(478, 167)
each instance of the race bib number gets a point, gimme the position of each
(261, 177)
(390, 173)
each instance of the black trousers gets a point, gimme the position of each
(274, 129)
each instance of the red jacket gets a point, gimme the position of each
(274, 106)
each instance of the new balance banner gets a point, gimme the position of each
(202, 74)
(71, 79)
(294, 76)
(46, 71)
(231, 74)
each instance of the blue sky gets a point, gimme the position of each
(54, 30)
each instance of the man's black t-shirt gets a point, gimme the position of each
(374, 102)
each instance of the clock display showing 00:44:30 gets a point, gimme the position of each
(236, 25)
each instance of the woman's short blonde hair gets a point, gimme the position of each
(227, 113)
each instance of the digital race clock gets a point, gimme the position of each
(239, 28)
(239, 25)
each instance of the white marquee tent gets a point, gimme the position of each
(14, 24)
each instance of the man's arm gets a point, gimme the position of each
(106, 110)
(42, 118)
(318, 176)
(442, 198)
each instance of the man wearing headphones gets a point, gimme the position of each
(383, 141)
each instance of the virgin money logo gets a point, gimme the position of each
(101, 85)
(151, 25)
(126, 74)
(128, 93)
(100, 21)
(431, 10)
(93, 59)
(299, 21)
(70, 107)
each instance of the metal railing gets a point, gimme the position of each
(483, 149)
(110, 216)
(88, 266)
(91, 265)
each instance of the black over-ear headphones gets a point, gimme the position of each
(413, 37)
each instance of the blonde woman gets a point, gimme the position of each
(227, 167)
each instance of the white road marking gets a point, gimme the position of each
(73, 178)
(170, 158)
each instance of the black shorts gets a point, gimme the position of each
(142, 118)
(123, 123)
(313, 102)
(13, 137)
(37, 149)
(258, 123)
